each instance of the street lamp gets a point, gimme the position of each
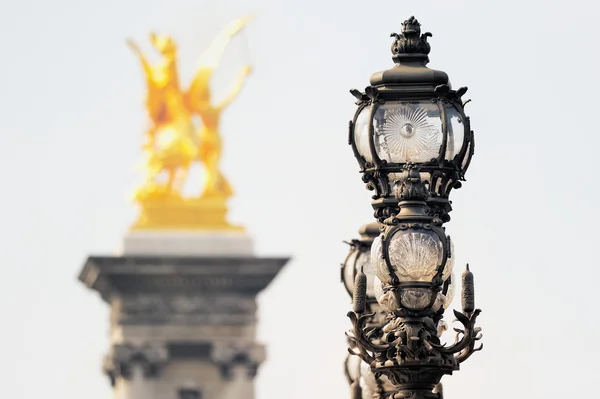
(413, 143)
(363, 384)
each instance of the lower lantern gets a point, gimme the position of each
(400, 295)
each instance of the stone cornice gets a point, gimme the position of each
(130, 274)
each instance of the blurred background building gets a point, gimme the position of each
(182, 294)
(183, 314)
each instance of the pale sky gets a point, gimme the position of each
(526, 220)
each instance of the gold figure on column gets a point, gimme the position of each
(173, 142)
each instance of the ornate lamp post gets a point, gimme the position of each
(413, 143)
(363, 383)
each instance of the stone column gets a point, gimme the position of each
(183, 310)
(240, 384)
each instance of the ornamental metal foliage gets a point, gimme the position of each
(406, 347)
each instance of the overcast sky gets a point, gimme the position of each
(526, 220)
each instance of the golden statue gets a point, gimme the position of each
(173, 142)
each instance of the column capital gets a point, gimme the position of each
(230, 354)
(123, 357)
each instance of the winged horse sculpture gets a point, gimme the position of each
(173, 143)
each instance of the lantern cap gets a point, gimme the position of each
(370, 231)
(410, 51)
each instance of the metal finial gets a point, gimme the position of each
(410, 40)
(411, 25)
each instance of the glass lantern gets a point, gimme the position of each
(359, 259)
(409, 268)
(410, 115)
(413, 132)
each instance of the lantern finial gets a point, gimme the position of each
(410, 41)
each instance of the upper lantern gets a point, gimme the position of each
(410, 115)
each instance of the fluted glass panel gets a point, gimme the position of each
(466, 160)
(408, 132)
(364, 262)
(354, 265)
(361, 134)
(415, 255)
(349, 271)
(456, 132)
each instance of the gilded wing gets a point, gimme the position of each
(154, 101)
(198, 95)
